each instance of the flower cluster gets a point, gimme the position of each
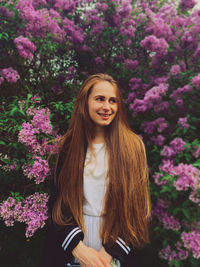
(10, 75)
(39, 170)
(168, 221)
(150, 126)
(191, 241)
(154, 44)
(25, 47)
(182, 122)
(168, 254)
(175, 70)
(31, 210)
(196, 80)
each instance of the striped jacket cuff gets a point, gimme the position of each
(119, 250)
(72, 239)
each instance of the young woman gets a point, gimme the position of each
(100, 199)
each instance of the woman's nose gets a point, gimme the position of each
(106, 105)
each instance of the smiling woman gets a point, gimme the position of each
(100, 198)
(102, 103)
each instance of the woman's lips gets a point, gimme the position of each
(104, 116)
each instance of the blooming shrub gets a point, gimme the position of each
(152, 48)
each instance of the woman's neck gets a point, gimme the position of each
(99, 135)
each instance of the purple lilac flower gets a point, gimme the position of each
(188, 177)
(167, 166)
(196, 81)
(187, 4)
(175, 70)
(135, 83)
(101, 6)
(191, 241)
(125, 8)
(1, 80)
(31, 210)
(27, 136)
(157, 180)
(157, 140)
(182, 122)
(71, 72)
(167, 152)
(25, 47)
(38, 171)
(179, 102)
(131, 64)
(177, 145)
(169, 222)
(154, 44)
(161, 107)
(74, 33)
(41, 120)
(10, 75)
(196, 152)
(155, 93)
(6, 13)
(168, 254)
(65, 5)
(98, 60)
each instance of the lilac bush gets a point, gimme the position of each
(152, 48)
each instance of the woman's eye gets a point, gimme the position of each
(99, 99)
(113, 100)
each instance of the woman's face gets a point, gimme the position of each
(102, 103)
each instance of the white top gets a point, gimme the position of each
(94, 180)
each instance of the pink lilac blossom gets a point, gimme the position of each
(27, 136)
(1, 80)
(41, 120)
(182, 123)
(175, 70)
(161, 107)
(168, 221)
(196, 81)
(66, 5)
(178, 145)
(195, 197)
(125, 8)
(97, 28)
(187, 4)
(188, 177)
(102, 6)
(74, 33)
(10, 75)
(154, 44)
(71, 73)
(6, 13)
(155, 93)
(98, 60)
(150, 126)
(25, 47)
(38, 171)
(157, 179)
(196, 152)
(131, 64)
(39, 22)
(157, 140)
(31, 210)
(191, 241)
(167, 166)
(167, 152)
(179, 254)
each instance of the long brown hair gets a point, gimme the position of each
(127, 202)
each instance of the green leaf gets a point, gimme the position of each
(2, 142)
